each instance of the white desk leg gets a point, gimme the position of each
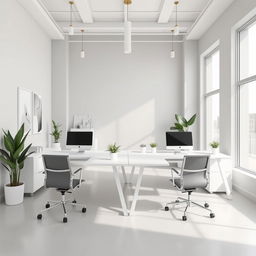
(131, 175)
(124, 175)
(120, 190)
(224, 178)
(137, 189)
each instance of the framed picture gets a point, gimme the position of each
(82, 122)
(37, 114)
(25, 108)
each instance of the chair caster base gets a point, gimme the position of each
(39, 216)
(184, 218)
(166, 208)
(47, 205)
(84, 210)
(74, 201)
(212, 215)
(206, 205)
(65, 220)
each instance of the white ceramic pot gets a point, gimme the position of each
(14, 195)
(143, 149)
(114, 156)
(153, 150)
(56, 146)
(215, 151)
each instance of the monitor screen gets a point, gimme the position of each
(83, 138)
(177, 139)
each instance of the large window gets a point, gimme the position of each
(246, 96)
(212, 96)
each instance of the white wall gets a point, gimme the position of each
(25, 61)
(132, 98)
(221, 30)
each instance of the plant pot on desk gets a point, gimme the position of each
(14, 194)
(56, 146)
(114, 156)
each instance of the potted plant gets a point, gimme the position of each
(182, 124)
(153, 147)
(56, 133)
(143, 148)
(12, 158)
(113, 149)
(215, 147)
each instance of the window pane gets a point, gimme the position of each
(212, 72)
(248, 126)
(212, 118)
(248, 52)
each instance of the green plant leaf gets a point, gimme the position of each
(5, 154)
(23, 155)
(19, 136)
(23, 140)
(179, 126)
(7, 162)
(5, 166)
(192, 120)
(8, 144)
(18, 151)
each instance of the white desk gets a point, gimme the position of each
(141, 160)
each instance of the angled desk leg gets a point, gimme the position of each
(120, 190)
(137, 189)
(131, 175)
(124, 174)
(224, 178)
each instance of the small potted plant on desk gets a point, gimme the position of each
(12, 158)
(215, 147)
(113, 149)
(153, 147)
(143, 148)
(56, 133)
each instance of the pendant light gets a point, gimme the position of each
(176, 28)
(71, 28)
(172, 49)
(127, 30)
(82, 53)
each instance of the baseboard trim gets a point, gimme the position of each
(244, 192)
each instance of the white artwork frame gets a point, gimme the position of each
(25, 103)
(37, 114)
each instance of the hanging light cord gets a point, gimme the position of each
(176, 3)
(172, 40)
(82, 40)
(71, 11)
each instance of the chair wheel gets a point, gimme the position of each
(184, 218)
(177, 201)
(166, 208)
(83, 209)
(74, 201)
(65, 220)
(47, 205)
(39, 216)
(212, 215)
(206, 205)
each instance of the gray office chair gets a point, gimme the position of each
(193, 174)
(59, 176)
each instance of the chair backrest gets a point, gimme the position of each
(58, 171)
(194, 172)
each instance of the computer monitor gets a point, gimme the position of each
(179, 140)
(81, 140)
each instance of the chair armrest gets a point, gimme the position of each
(176, 170)
(78, 170)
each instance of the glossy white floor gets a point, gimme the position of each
(151, 231)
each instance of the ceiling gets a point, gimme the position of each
(98, 17)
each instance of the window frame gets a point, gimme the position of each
(207, 95)
(238, 84)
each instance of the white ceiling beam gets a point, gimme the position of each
(40, 14)
(208, 16)
(118, 27)
(166, 11)
(84, 10)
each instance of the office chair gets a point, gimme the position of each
(193, 174)
(59, 176)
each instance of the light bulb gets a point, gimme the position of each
(71, 31)
(172, 54)
(82, 54)
(127, 37)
